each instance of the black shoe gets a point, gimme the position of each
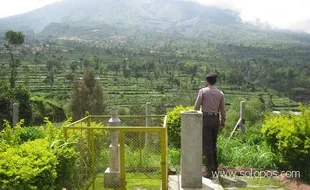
(207, 175)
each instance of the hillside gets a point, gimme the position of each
(157, 51)
(75, 18)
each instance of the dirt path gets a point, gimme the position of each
(292, 184)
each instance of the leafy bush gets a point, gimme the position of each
(65, 168)
(34, 164)
(174, 125)
(289, 137)
(174, 157)
(31, 133)
(10, 136)
(26, 167)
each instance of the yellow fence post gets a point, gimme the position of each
(140, 141)
(87, 129)
(122, 159)
(164, 169)
(93, 158)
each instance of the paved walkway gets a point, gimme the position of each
(174, 183)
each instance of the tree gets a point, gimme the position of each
(13, 39)
(52, 65)
(87, 95)
(235, 78)
(8, 96)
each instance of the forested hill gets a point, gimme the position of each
(94, 19)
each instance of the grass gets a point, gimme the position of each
(135, 181)
(247, 150)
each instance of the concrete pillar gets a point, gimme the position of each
(112, 177)
(148, 112)
(241, 121)
(242, 116)
(147, 123)
(191, 149)
(15, 114)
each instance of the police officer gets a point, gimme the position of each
(211, 101)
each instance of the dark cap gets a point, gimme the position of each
(211, 75)
(211, 78)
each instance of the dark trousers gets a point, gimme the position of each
(209, 137)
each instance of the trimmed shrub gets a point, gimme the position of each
(48, 163)
(30, 166)
(66, 165)
(289, 137)
(174, 126)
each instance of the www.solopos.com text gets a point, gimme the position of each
(257, 174)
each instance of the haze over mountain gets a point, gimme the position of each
(66, 18)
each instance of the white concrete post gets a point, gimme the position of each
(241, 121)
(148, 112)
(15, 114)
(242, 116)
(112, 174)
(147, 122)
(191, 149)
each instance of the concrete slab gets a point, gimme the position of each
(174, 183)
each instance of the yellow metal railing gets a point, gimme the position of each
(86, 126)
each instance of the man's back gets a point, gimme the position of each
(211, 99)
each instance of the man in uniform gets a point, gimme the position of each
(211, 100)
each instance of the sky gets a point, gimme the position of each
(283, 14)
(14, 7)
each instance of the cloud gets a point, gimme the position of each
(283, 14)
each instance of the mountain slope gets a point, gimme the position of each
(159, 14)
(169, 16)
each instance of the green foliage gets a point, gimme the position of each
(46, 108)
(31, 166)
(246, 150)
(174, 157)
(14, 38)
(87, 95)
(50, 165)
(254, 114)
(289, 137)
(11, 136)
(22, 97)
(8, 96)
(31, 133)
(174, 125)
(66, 164)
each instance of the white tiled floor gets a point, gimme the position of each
(175, 184)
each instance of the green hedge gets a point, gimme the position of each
(30, 166)
(289, 137)
(174, 125)
(45, 163)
